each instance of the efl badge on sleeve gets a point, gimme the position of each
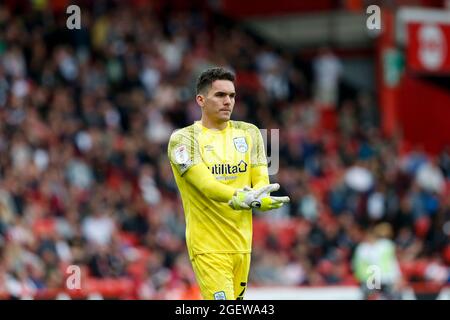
(241, 144)
(181, 154)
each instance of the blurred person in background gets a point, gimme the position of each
(327, 73)
(376, 266)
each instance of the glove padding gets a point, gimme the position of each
(247, 198)
(267, 202)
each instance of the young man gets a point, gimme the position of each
(220, 168)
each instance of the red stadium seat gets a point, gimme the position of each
(128, 238)
(249, 80)
(137, 269)
(446, 254)
(407, 268)
(419, 268)
(44, 226)
(287, 235)
(260, 231)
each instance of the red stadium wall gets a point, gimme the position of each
(420, 109)
(241, 9)
(423, 111)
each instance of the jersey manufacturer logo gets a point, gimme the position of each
(241, 144)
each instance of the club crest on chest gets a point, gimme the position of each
(240, 144)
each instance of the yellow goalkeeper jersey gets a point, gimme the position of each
(208, 166)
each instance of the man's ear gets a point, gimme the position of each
(200, 100)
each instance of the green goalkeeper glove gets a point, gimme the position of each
(268, 202)
(247, 198)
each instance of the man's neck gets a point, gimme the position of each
(213, 125)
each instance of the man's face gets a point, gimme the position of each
(217, 105)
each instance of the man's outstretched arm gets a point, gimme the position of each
(201, 178)
(239, 199)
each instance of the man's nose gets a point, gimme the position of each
(227, 100)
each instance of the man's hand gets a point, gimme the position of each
(268, 202)
(247, 198)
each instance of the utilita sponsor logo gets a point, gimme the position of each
(229, 169)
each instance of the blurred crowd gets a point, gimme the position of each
(85, 117)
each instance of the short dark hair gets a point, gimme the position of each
(210, 75)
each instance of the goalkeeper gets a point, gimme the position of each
(220, 168)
